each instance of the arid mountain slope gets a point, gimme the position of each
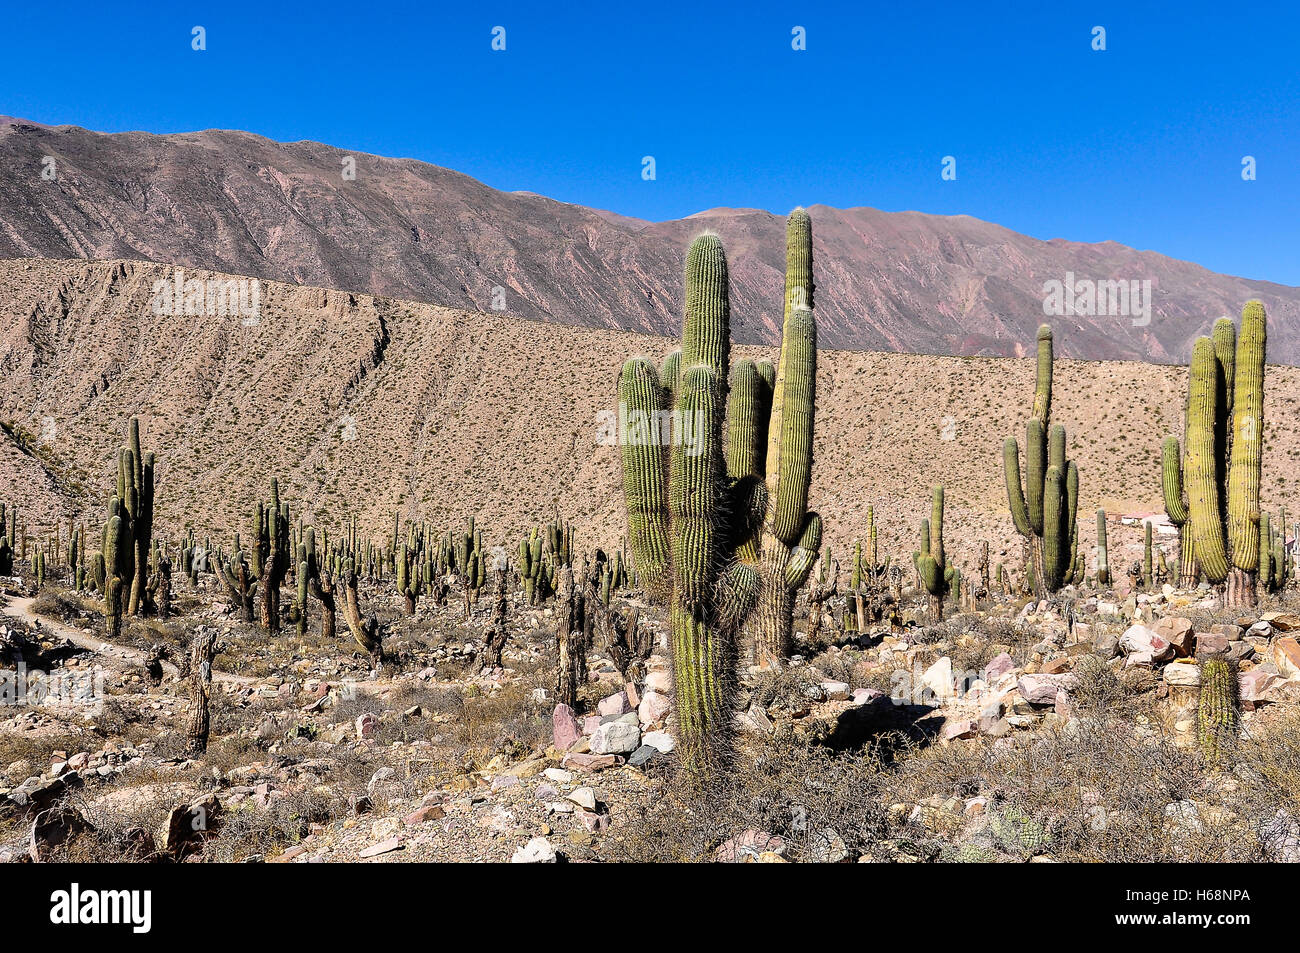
(908, 282)
(367, 405)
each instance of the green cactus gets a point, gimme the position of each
(791, 534)
(1176, 508)
(1221, 467)
(273, 553)
(140, 504)
(1216, 712)
(1146, 554)
(6, 543)
(1044, 506)
(1103, 554)
(682, 518)
(931, 564)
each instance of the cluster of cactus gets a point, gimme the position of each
(1275, 561)
(1216, 711)
(936, 575)
(688, 516)
(542, 554)
(613, 576)
(1212, 492)
(127, 535)
(273, 554)
(194, 557)
(1044, 507)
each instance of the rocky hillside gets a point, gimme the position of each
(365, 405)
(907, 282)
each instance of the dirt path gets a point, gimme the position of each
(118, 656)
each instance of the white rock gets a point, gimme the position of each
(1182, 673)
(558, 775)
(584, 797)
(536, 851)
(616, 737)
(659, 740)
(938, 678)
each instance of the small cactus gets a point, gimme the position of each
(1216, 712)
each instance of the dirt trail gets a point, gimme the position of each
(118, 656)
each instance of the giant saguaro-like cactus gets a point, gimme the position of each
(273, 553)
(931, 565)
(685, 518)
(139, 501)
(1221, 465)
(1044, 506)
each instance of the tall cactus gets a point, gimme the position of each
(273, 552)
(1103, 554)
(1176, 508)
(791, 535)
(140, 503)
(1221, 466)
(681, 518)
(931, 564)
(1044, 506)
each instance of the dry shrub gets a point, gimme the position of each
(808, 796)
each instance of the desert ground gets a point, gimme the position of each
(433, 720)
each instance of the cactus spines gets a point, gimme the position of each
(791, 535)
(1247, 410)
(644, 493)
(1103, 553)
(931, 564)
(692, 519)
(1200, 462)
(1216, 711)
(1221, 468)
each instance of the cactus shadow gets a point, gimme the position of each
(885, 727)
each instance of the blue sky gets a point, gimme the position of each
(1141, 143)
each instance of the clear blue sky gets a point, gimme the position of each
(1141, 143)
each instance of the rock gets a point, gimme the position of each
(1279, 836)
(1282, 620)
(1211, 643)
(536, 851)
(642, 756)
(999, 666)
(865, 696)
(558, 775)
(1106, 644)
(584, 797)
(1177, 631)
(964, 728)
(836, 691)
(659, 681)
(385, 828)
(503, 781)
(654, 708)
(1286, 656)
(430, 812)
(591, 723)
(1260, 629)
(1042, 689)
(1057, 665)
(1258, 685)
(36, 794)
(589, 763)
(616, 737)
(53, 828)
(825, 846)
(367, 724)
(1185, 674)
(1149, 646)
(565, 730)
(615, 704)
(938, 678)
(747, 846)
(1240, 651)
(1229, 631)
(383, 847)
(661, 741)
(187, 825)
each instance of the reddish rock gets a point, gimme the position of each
(383, 847)
(1042, 689)
(1177, 631)
(965, 728)
(747, 846)
(654, 708)
(431, 812)
(999, 666)
(588, 763)
(616, 704)
(1286, 655)
(565, 729)
(367, 725)
(1258, 685)
(633, 696)
(1057, 665)
(1212, 643)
